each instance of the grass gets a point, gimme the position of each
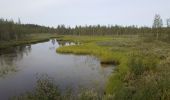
(90, 46)
(142, 72)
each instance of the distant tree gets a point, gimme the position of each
(158, 23)
(19, 21)
(168, 22)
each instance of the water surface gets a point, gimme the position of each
(20, 66)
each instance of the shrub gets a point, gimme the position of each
(139, 64)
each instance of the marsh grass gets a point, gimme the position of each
(140, 73)
(4, 70)
(47, 90)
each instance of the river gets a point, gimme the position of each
(20, 66)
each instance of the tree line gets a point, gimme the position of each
(157, 31)
(11, 30)
(107, 30)
(116, 29)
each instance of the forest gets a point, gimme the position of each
(10, 30)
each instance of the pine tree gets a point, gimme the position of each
(168, 22)
(158, 24)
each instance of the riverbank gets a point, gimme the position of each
(142, 71)
(29, 39)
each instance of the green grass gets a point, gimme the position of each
(142, 71)
(91, 46)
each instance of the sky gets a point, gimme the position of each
(85, 12)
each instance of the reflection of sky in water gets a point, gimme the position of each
(67, 70)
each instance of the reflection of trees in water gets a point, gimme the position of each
(66, 43)
(10, 56)
(94, 64)
(62, 43)
(53, 41)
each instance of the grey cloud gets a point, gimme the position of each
(72, 12)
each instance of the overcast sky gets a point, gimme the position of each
(82, 12)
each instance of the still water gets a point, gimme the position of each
(20, 66)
